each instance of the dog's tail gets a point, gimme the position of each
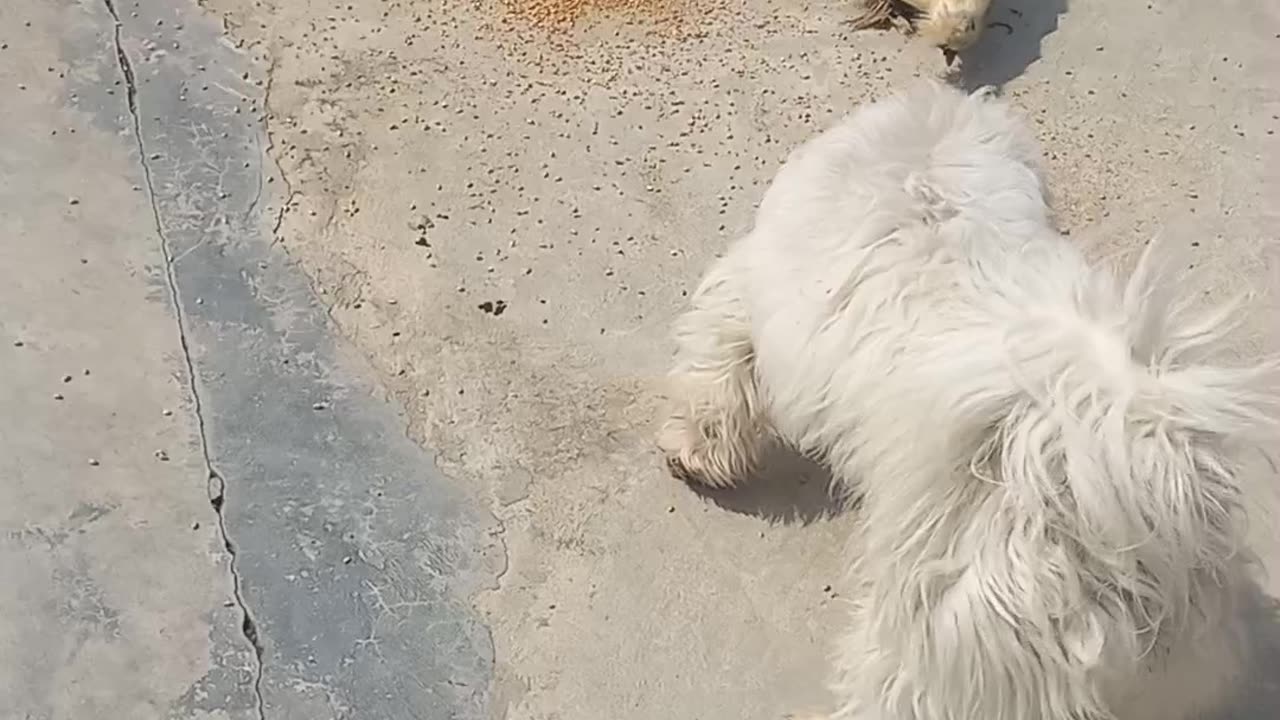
(1122, 443)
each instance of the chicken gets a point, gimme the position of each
(951, 25)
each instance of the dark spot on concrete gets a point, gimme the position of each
(494, 307)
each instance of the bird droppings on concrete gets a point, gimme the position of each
(494, 308)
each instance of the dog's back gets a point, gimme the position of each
(909, 204)
(1047, 464)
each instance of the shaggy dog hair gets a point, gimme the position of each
(1046, 459)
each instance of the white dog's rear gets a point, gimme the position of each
(1046, 463)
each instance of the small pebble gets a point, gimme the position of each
(73, 201)
(319, 406)
(162, 456)
(195, 526)
(166, 413)
(66, 378)
(57, 396)
(93, 462)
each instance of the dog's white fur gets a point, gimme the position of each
(1046, 461)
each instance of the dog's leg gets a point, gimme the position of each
(716, 430)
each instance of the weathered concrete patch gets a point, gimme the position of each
(352, 558)
(115, 581)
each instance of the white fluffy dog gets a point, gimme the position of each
(1046, 462)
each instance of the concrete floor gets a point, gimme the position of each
(260, 253)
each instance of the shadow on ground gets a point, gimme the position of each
(1015, 32)
(788, 489)
(1260, 695)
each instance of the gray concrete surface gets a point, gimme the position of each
(115, 599)
(215, 513)
(294, 225)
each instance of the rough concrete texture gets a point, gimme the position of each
(503, 222)
(506, 221)
(116, 595)
(225, 518)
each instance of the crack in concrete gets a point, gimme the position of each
(215, 484)
(267, 152)
(329, 306)
(384, 377)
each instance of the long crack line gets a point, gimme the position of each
(269, 153)
(215, 484)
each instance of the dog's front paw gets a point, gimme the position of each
(695, 459)
(696, 467)
(682, 472)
